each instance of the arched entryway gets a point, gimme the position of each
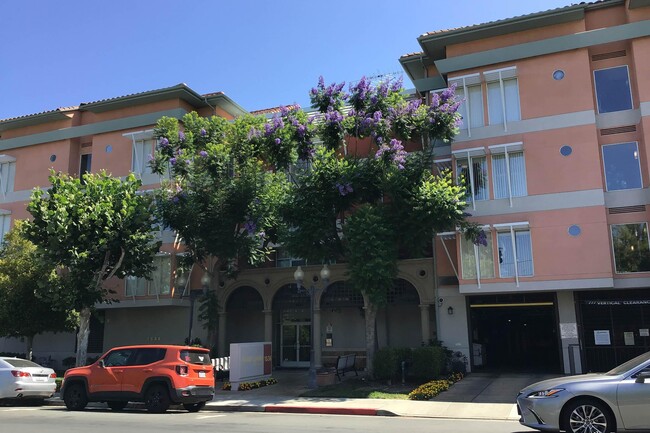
(244, 316)
(291, 327)
(399, 323)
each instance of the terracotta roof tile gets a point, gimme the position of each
(60, 109)
(274, 110)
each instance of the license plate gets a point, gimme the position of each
(201, 373)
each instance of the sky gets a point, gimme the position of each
(260, 53)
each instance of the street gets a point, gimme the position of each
(56, 419)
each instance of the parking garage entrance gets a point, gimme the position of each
(515, 333)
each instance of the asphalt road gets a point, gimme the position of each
(53, 419)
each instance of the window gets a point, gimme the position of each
(613, 89)
(284, 259)
(508, 171)
(514, 247)
(141, 153)
(5, 224)
(86, 162)
(502, 96)
(622, 167)
(118, 358)
(442, 166)
(476, 179)
(159, 283)
(7, 175)
(469, 253)
(469, 91)
(631, 251)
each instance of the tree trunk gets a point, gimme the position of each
(371, 319)
(82, 336)
(30, 347)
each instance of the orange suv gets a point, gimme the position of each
(156, 375)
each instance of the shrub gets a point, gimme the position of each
(68, 362)
(385, 363)
(428, 362)
(404, 354)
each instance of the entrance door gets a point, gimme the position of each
(295, 344)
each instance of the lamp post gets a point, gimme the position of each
(299, 276)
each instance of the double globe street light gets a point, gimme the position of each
(299, 276)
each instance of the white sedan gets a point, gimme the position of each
(23, 379)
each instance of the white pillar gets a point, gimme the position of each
(424, 319)
(222, 334)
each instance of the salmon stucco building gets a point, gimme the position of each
(554, 151)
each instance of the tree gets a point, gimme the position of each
(90, 230)
(22, 312)
(236, 187)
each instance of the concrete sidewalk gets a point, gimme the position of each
(477, 396)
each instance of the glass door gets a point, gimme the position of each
(295, 344)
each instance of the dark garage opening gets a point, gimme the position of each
(514, 334)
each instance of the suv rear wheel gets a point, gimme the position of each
(75, 397)
(156, 399)
(194, 407)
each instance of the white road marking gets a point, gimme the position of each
(209, 416)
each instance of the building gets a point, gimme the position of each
(554, 150)
(115, 135)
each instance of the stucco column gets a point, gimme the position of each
(424, 319)
(317, 334)
(222, 334)
(268, 325)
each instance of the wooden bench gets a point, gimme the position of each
(346, 363)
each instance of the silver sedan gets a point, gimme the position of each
(20, 378)
(618, 400)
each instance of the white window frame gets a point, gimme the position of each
(465, 82)
(5, 224)
(638, 160)
(512, 227)
(148, 285)
(442, 165)
(506, 149)
(477, 262)
(7, 175)
(499, 75)
(140, 168)
(468, 154)
(627, 69)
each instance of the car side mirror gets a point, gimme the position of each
(101, 363)
(641, 377)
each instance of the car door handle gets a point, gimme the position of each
(147, 370)
(118, 371)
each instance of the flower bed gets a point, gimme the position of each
(245, 386)
(433, 388)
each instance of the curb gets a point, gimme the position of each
(325, 410)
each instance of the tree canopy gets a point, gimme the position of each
(90, 230)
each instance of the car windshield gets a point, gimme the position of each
(196, 357)
(21, 363)
(627, 366)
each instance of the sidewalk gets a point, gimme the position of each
(477, 396)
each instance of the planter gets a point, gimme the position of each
(325, 378)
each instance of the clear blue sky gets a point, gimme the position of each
(260, 53)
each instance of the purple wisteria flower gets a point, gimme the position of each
(163, 142)
(394, 151)
(253, 133)
(203, 132)
(175, 199)
(203, 154)
(172, 161)
(344, 188)
(481, 238)
(250, 226)
(277, 141)
(181, 136)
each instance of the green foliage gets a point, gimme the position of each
(385, 364)
(428, 362)
(22, 312)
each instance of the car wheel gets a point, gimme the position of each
(75, 397)
(156, 399)
(194, 407)
(590, 416)
(117, 405)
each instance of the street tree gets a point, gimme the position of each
(352, 183)
(22, 312)
(90, 230)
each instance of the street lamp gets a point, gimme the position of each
(299, 276)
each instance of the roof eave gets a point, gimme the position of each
(227, 104)
(180, 91)
(33, 119)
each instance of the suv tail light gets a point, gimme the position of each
(53, 375)
(17, 373)
(182, 370)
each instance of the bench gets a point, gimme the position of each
(346, 363)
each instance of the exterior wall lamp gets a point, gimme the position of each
(450, 310)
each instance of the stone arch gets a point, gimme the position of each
(399, 322)
(244, 308)
(341, 308)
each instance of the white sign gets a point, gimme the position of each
(629, 338)
(568, 330)
(644, 332)
(249, 362)
(601, 337)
